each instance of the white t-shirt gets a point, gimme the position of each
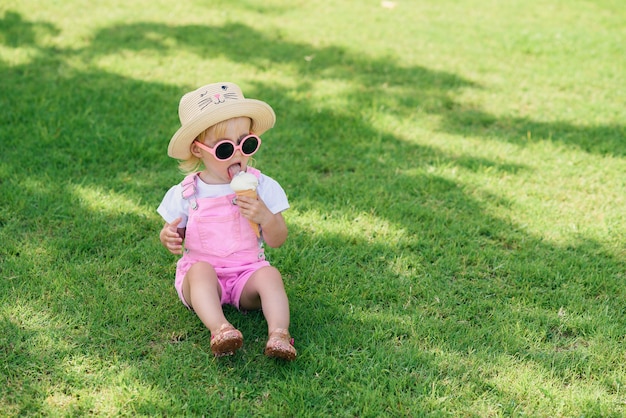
(174, 206)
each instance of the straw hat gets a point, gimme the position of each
(213, 103)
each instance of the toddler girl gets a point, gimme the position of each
(223, 261)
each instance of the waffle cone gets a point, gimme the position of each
(250, 193)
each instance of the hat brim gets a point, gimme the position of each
(261, 114)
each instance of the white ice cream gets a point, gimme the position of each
(244, 181)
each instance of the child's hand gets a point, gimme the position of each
(253, 210)
(273, 225)
(171, 238)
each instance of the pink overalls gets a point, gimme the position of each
(217, 234)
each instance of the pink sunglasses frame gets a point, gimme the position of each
(236, 147)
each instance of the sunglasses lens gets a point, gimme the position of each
(224, 150)
(250, 145)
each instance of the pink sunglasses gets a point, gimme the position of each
(224, 150)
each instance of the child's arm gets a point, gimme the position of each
(275, 230)
(172, 237)
(273, 225)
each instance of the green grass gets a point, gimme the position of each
(457, 176)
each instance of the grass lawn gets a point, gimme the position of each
(457, 177)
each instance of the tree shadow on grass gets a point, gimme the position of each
(600, 140)
(410, 88)
(62, 216)
(16, 32)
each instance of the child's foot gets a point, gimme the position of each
(226, 341)
(280, 345)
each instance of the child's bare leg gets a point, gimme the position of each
(202, 293)
(265, 290)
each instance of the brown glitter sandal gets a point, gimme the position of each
(280, 345)
(226, 341)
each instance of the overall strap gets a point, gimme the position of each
(189, 190)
